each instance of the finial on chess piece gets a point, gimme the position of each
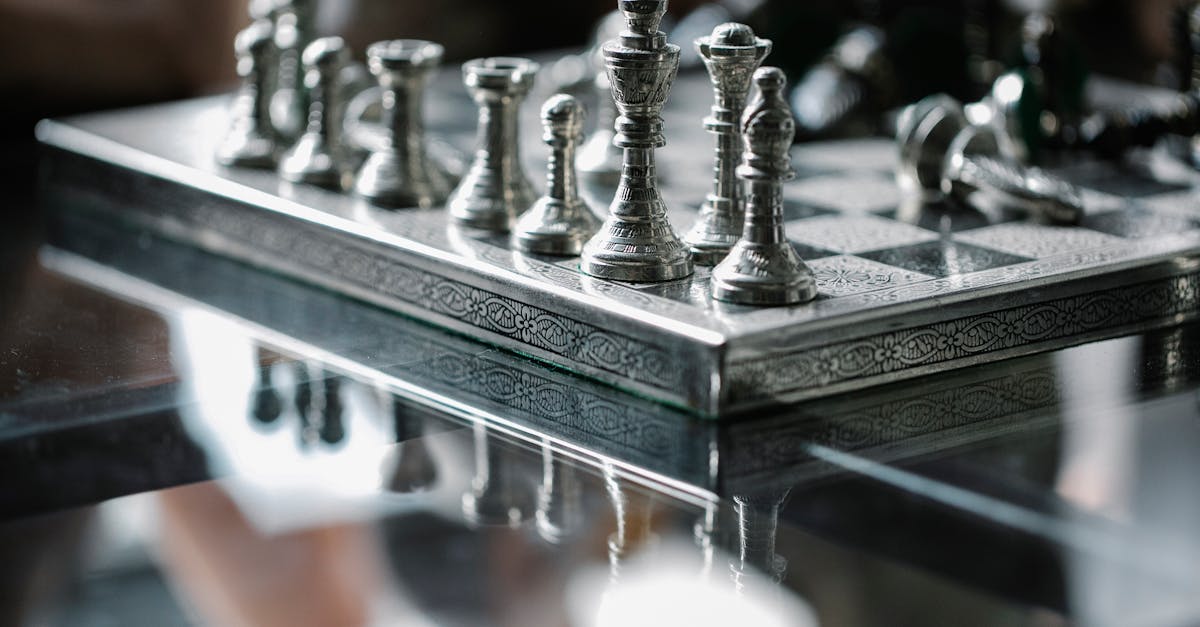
(318, 157)
(250, 141)
(731, 54)
(559, 222)
(763, 268)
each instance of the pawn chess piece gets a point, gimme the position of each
(250, 141)
(498, 497)
(294, 31)
(318, 158)
(560, 222)
(731, 54)
(763, 268)
(942, 154)
(399, 172)
(636, 242)
(495, 190)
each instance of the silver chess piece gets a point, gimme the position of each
(399, 172)
(731, 54)
(637, 242)
(495, 189)
(941, 153)
(763, 268)
(250, 141)
(560, 222)
(317, 157)
(294, 31)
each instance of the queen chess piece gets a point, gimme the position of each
(560, 222)
(318, 157)
(763, 268)
(495, 189)
(731, 54)
(636, 242)
(399, 172)
(250, 141)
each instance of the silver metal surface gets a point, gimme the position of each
(560, 222)
(731, 54)
(495, 189)
(318, 157)
(763, 268)
(400, 173)
(636, 242)
(250, 141)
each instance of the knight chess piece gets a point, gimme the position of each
(497, 496)
(399, 172)
(763, 268)
(636, 242)
(294, 31)
(495, 190)
(942, 154)
(560, 222)
(731, 54)
(318, 157)
(250, 141)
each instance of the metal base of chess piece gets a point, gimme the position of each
(495, 190)
(763, 268)
(731, 54)
(318, 157)
(399, 173)
(637, 242)
(560, 222)
(250, 141)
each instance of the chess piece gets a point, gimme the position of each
(763, 268)
(399, 173)
(414, 469)
(294, 31)
(600, 158)
(560, 222)
(731, 54)
(846, 93)
(560, 507)
(637, 242)
(318, 158)
(942, 154)
(332, 429)
(250, 141)
(758, 525)
(267, 406)
(497, 496)
(495, 190)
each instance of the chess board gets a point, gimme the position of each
(904, 290)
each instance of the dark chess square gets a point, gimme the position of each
(944, 258)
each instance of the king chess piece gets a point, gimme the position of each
(399, 172)
(636, 242)
(495, 190)
(250, 141)
(763, 268)
(560, 222)
(318, 157)
(731, 54)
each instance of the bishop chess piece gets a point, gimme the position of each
(250, 141)
(942, 154)
(731, 54)
(399, 172)
(560, 222)
(495, 190)
(763, 268)
(318, 157)
(636, 242)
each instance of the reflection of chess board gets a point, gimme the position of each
(901, 294)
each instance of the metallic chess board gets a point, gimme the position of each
(903, 291)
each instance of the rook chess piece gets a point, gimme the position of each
(763, 268)
(731, 54)
(637, 242)
(318, 157)
(399, 172)
(250, 141)
(560, 222)
(495, 190)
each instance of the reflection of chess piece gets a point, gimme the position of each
(495, 190)
(847, 92)
(250, 141)
(731, 54)
(637, 242)
(332, 428)
(599, 158)
(560, 507)
(633, 523)
(498, 495)
(399, 172)
(758, 523)
(318, 157)
(267, 405)
(414, 469)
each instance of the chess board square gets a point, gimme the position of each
(863, 155)
(800, 210)
(857, 193)
(1028, 239)
(944, 258)
(1185, 203)
(949, 217)
(1138, 223)
(845, 275)
(854, 234)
